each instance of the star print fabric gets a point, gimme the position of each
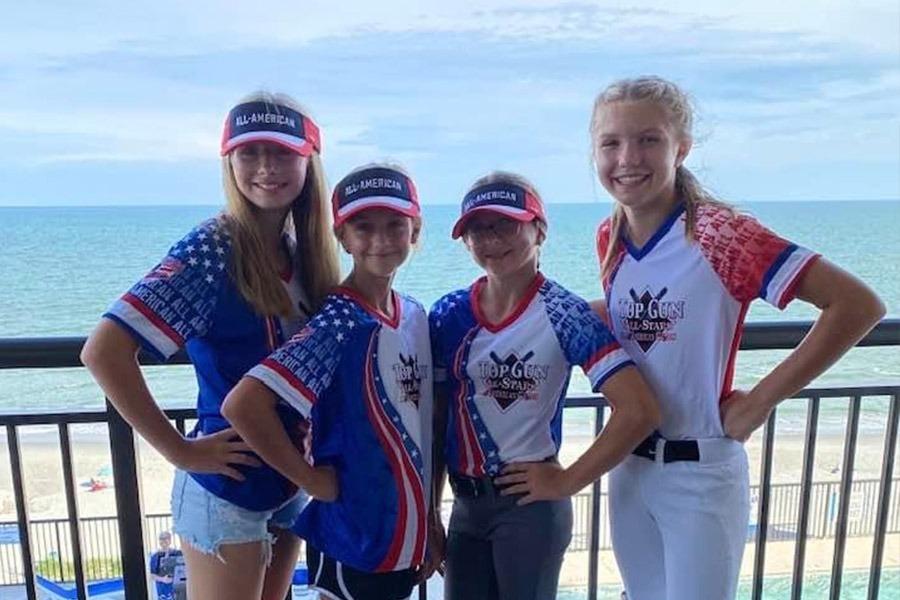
(301, 370)
(176, 300)
(365, 382)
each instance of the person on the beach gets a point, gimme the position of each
(162, 567)
(679, 271)
(232, 291)
(504, 350)
(361, 372)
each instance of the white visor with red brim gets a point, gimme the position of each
(503, 198)
(267, 122)
(375, 187)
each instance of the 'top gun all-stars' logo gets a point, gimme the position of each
(509, 379)
(409, 377)
(649, 318)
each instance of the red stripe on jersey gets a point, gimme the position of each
(732, 352)
(154, 318)
(290, 379)
(472, 458)
(600, 355)
(529, 295)
(403, 471)
(790, 291)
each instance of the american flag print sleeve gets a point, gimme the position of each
(303, 369)
(176, 300)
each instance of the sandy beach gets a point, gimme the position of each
(46, 497)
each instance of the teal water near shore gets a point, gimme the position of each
(63, 266)
(854, 586)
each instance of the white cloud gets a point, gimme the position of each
(508, 81)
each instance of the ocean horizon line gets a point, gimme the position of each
(453, 203)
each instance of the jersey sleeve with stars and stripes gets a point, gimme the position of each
(585, 340)
(176, 301)
(304, 368)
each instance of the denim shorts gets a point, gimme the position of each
(206, 521)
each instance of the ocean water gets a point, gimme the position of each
(63, 266)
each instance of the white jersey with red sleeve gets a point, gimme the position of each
(678, 306)
(506, 381)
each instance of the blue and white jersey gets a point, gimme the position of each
(506, 382)
(189, 300)
(365, 381)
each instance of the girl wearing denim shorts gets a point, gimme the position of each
(230, 292)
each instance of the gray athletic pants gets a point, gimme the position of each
(499, 551)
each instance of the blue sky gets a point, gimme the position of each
(118, 103)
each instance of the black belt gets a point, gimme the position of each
(473, 487)
(673, 450)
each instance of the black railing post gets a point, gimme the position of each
(128, 505)
(809, 453)
(65, 443)
(594, 535)
(762, 519)
(15, 459)
(884, 496)
(840, 534)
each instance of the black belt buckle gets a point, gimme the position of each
(647, 448)
(467, 487)
(681, 450)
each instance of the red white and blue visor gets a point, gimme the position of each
(507, 199)
(267, 122)
(376, 187)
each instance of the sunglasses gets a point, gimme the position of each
(502, 229)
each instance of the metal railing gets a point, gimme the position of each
(100, 535)
(45, 353)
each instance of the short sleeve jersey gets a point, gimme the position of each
(366, 383)
(189, 300)
(678, 306)
(506, 382)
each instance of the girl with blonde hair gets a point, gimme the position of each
(230, 292)
(679, 271)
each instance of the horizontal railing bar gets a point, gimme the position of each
(56, 352)
(572, 401)
(785, 335)
(79, 417)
